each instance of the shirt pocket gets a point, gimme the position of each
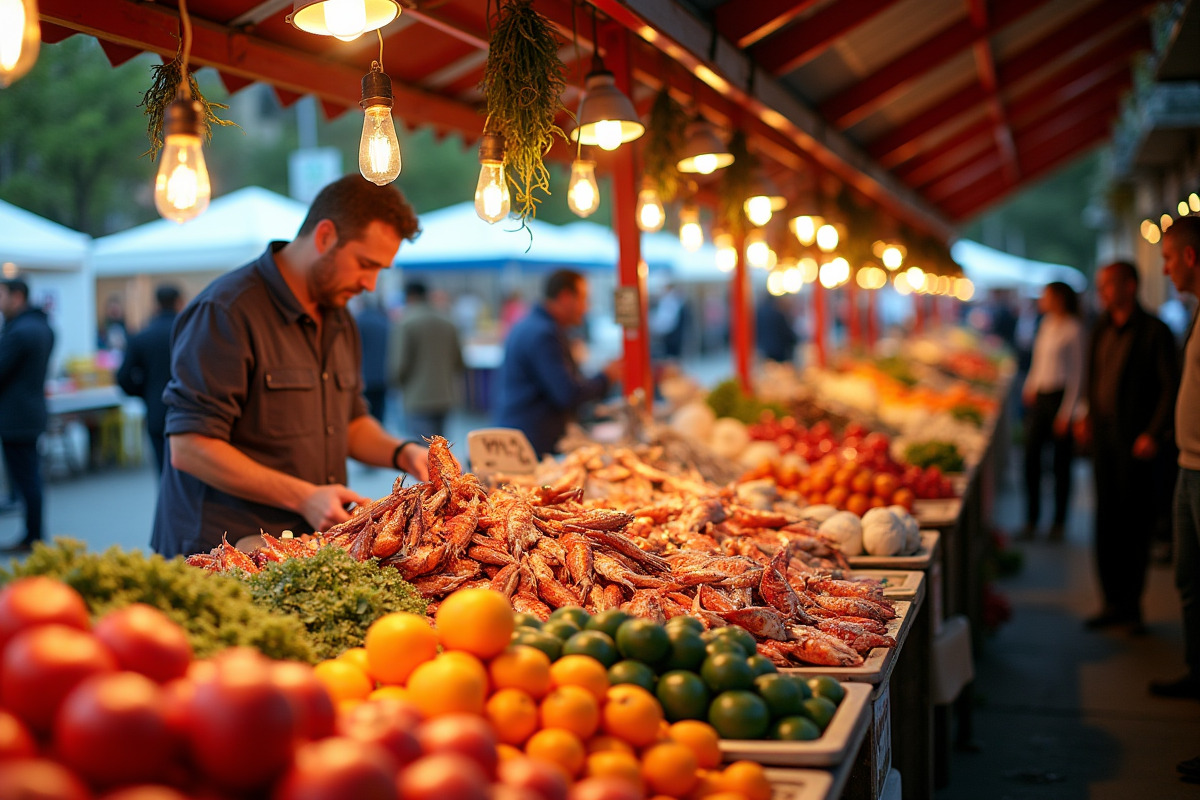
(291, 401)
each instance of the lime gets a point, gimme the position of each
(562, 628)
(683, 695)
(687, 649)
(761, 665)
(820, 710)
(795, 729)
(739, 715)
(723, 644)
(607, 621)
(550, 645)
(741, 636)
(781, 693)
(686, 621)
(802, 685)
(827, 687)
(527, 621)
(596, 644)
(635, 672)
(726, 672)
(574, 613)
(643, 640)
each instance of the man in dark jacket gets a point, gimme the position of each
(146, 369)
(25, 345)
(1132, 376)
(775, 336)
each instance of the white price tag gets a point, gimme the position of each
(506, 450)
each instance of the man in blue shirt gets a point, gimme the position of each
(540, 386)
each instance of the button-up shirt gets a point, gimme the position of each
(250, 367)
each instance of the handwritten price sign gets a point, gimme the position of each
(504, 450)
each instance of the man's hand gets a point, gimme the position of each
(324, 507)
(1144, 447)
(415, 461)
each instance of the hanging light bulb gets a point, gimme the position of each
(727, 255)
(901, 284)
(915, 277)
(691, 235)
(703, 152)
(583, 195)
(758, 210)
(20, 38)
(1165, 221)
(793, 279)
(378, 148)
(650, 212)
(492, 200)
(344, 19)
(827, 238)
(181, 187)
(804, 228)
(1182, 208)
(809, 269)
(607, 118)
(763, 201)
(1150, 231)
(964, 290)
(1194, 202)
(758, 252)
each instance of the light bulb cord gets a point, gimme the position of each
(185, 21)
(379, 33)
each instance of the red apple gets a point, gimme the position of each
(463, 734)
(443, 776)
(337, 768)
(391, 724)
(545, 780)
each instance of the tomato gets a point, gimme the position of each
(858, 503)
(144, 640)
(112, 730)
(40, 779)
(876, 442)
(392, 724)
(15, 739)
(240, 725)
(28, 602)
(310, 701)
(904, 497)
(42, 665)
(443, 776)
(337, 768)
(884, 486)
(462, 734)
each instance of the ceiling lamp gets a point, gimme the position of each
(378, 147)
(181, 186)
(758, 252)
(343, 19)
(492, 199)
(20, 37)
(607, 118)
(727, 255)
(650, 212)
(703, 151)
(1194, 202)
(828, 236)
(691, 235)
(805, 227)
(583, 194)
(764, 201)
(890, 254)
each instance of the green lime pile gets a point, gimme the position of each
(713, 675)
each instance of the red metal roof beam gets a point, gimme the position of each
(985, 63)
(799, 45)
(746, 23)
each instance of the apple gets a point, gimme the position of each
(145, 640)
(546, 781)
(603, 789)
(443, 776)
(392, 724)
(310, 701)
(337, 768)
(462, 734)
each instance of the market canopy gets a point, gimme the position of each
(931, 109)
(32, 242)
(994, 269)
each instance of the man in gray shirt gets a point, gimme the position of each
(265, 401)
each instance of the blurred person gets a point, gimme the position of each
(146, 369)
(1050, 394)
(773, 331)
(669, 322)
(25, 344)
(540, 387)
(1181, 262)
(265, 401)
(113, 335)
(374, 330)
(427, 363)
(1132, 378)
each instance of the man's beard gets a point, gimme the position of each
(322, 282)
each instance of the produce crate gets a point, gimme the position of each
(896, 583)
(800, 784)
(937, 513)
(877, 666)
(838, 743)
(919, 560)
(869, 774)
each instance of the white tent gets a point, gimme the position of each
(993, 269)
(51, 258)
(233, 231)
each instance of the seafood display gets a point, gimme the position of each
(686, 547)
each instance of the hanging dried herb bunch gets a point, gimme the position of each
(664, 141)
(736, 181)
(160, 94)
(523, 82)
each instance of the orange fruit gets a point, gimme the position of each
(721, 795)
(558, 747)
(396, 644)
(513, 714)
(604, 744)
(669, 768)
(452, 683)
(390, 693)
(580, 670)
(521, 667)
(632, 714)
(708, 785)
(358, 657)
(477, 621)
(747, 779)
(346, 706)
(701, 738)
(343, 680)
(507, 751)
(571, 708)
(614, 764)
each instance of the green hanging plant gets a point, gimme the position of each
(161, 94)
(664, 142)
(523, 83)
(736, 182)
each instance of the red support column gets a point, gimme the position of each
(872, 320)
(741, 317)
(854, 323)
(819, 324)
(637, 341)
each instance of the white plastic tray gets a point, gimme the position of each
(937, 513)
(896, 583)
(800, 784)
(918, 560)
(877, 664)
(837, 743)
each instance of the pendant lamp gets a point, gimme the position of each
(344, 19)
(703, 151)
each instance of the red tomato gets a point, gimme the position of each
(28, 602)
(441, 777)
(463, 734)
(389, 723)
(40, 779)
(336, 769)
(42, 665)
(145, 792)
(885, 485)
(241, 727)
(855, 429)
(15, 739)
(112, 730)
(876, 442)
(858, 504)
(904, 497)
(144, 640)
(310, 700)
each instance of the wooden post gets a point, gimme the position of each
(741, 316)
(629, 274)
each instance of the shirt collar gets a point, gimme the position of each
(281, 294)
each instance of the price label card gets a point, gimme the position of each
(627, 307)
(506, 450)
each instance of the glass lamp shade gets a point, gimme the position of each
(181, 187)
(691, 235)
(727, 254)
(20, 38)
(650, 212)
(583, 194)
(607, 118)
(345, 19)
(805, 228)
(703, 151)
(828, 236)
(764, 200)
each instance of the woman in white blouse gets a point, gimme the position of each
(1051, 395)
